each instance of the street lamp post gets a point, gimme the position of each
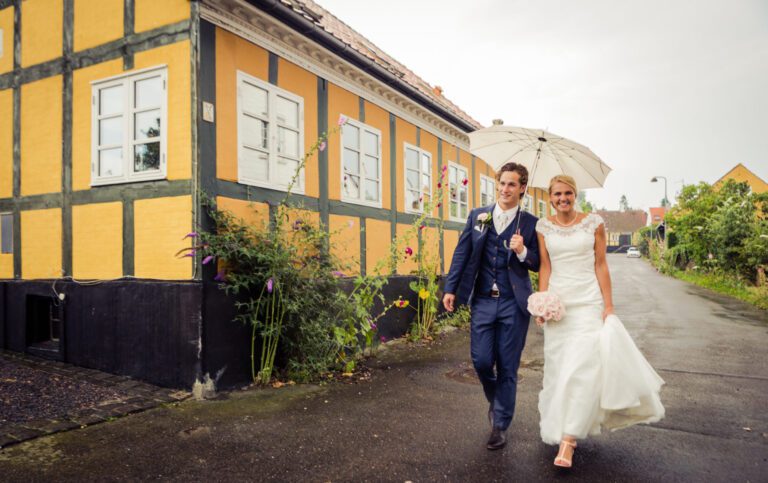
(654, 180)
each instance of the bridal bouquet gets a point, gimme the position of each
(546, 305)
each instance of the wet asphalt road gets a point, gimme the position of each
(422, 417)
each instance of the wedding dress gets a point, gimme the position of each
(594, 376)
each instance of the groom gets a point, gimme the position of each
(489, 271)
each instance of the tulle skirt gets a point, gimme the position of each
(594, 378)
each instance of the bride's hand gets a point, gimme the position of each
(608, 311)
(540, 321)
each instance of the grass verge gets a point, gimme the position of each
(757, 296)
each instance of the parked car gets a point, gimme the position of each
(633, 252)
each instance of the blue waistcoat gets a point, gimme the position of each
(493, 264)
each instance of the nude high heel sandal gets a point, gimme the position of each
(561, 460)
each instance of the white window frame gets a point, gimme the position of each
(128, 82)
(542, 211)
(528, 203)
(421, 152)
(459, 187)
(2, 214)
(272, 135)
(491, 182)
(362, 128)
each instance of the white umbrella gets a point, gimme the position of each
(543, 153)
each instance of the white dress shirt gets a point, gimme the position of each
(501, 219)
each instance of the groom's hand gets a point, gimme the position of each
(516, 243)
(448, 300)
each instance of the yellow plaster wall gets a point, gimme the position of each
(431, 238)
(6, 265)
(340, 102)
(377, 242)
(450, 239)
(41, 243)
(41, 31)
(41, 136)
(6, 24)
(406, 264)
(232, 54)
(303, 83)
(179, 129)
(160, 225)
(81, 118)
(249, 212)
(152, 14)
(405, 132)
(379, 118)
(6, 143)
(741, 174)
(97, 240)
(97, 22)
(345, 242)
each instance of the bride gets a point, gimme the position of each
(594, 375)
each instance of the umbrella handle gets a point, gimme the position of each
(525, 191)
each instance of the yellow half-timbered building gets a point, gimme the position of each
(116, 114)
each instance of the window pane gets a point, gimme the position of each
(111, 162)
(426, 164)
(454, 209)
(254, 99)
(371, 143)
(412, 180)
(425, 183)
(254, 165)
(149, 92)
(286, 169)
(411, 159)
(111, 131)
(463, 211)
(371, 167)
(371, 190)
(463, 195)
(287, 112)
(352, 186)
(287, 142)
(111, 100)
(6, 233)
(351, 162)
(351, 136)
(412, 200)
(484, 199)
(146, 157)
(452, 175)
(147, 125)
(254, 132)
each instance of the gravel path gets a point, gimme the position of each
(28, 394)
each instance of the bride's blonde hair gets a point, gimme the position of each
(565, 179)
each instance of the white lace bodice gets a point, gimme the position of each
(572, 255)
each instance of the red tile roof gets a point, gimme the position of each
(657, 214)
(623, 221)
(324, 19)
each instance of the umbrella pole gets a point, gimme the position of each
(525, 191)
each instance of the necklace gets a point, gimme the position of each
(569, 224)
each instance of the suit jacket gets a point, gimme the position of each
(468, 256)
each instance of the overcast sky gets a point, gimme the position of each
(675, 88)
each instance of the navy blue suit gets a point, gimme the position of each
(499, 324)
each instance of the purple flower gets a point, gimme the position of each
(373, 326)
(191, 234)
(208, 259)
(191, 253)
(270, 283)
(383, 339)
(221, 276)
(297, 225)
(342, 120)
(337, 273)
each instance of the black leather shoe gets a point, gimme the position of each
(498, 439)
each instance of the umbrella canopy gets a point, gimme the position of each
(543, 153)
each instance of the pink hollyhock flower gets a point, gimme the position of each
(465, 181)
(342, 120)
(270, 284)
(408, 251)
(322, 146)
(422, 227)
(439, 185)
(445, 168)
(351, 223)
(439, 205)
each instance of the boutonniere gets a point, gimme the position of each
(484, 220)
